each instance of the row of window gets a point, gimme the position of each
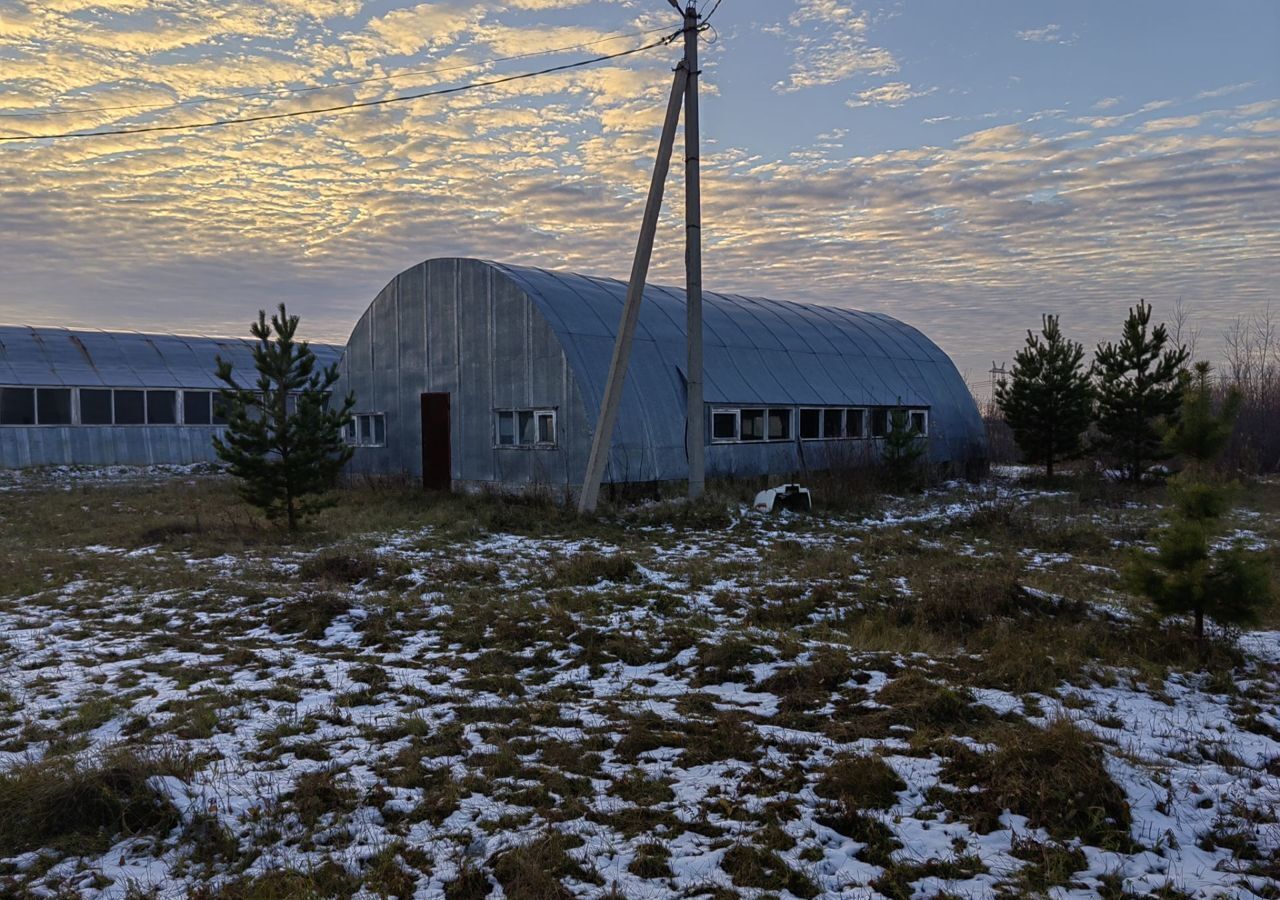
(107, 406)
(816, 423)
(366, 430)
(537, 427)
(526, 428)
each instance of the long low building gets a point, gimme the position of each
(468, 372)
(72, 397)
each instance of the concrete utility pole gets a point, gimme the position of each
(608, 417)
(695, 443)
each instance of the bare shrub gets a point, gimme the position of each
(1252, 366)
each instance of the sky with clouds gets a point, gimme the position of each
(963, 166)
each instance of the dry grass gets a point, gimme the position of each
(546, 689)
(85, 806)
(1054, 776)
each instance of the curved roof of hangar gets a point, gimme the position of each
(755, 350)
(47, 356)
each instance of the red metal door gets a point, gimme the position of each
(437, 463)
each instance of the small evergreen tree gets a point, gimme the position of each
(1200, 434)
(1139, 388)
(1189, 574)
(282, 439)
(1048, 401)
(901, 451)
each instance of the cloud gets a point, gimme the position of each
(1224, 90)
(895, 93)
(1173, 123)
(1107, 103)
(195, 232)
(1048, 34)
(427, 25)
(829, 44)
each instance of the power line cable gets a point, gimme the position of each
(364, 104)
(249, 95)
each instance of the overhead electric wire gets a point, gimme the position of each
(363, 104)
(249, 95)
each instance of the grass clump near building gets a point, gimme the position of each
(536, 870)
(339, 567)
(590, 567)
(82, 807)
(1055, 777)
(753, 867)
(860, 782)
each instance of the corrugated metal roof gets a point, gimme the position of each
(93, 358)
(756, 351)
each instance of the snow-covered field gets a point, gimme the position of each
(786, 706)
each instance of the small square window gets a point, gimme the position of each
(833, 423)
(349, 432)
(95, 407)
(920, 422)
(779, 424)
(366, 429)
(196, 408)
(54, 406)
(506, 429)
(524, 419)
(810, 424)
(855, 423)
(753, 424)
(724, 425)
(130, 408)
(379, 430)
(546, 428)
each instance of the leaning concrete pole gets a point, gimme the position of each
(608, 417)
(695, 444)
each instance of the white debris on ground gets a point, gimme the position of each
(637, 727)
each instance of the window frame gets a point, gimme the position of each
(205, 411)
(31, 391)
(115, 406)
(40, 404)
(863, 415)
(539, 416)
(924, 418)
(534, 416)
(873, 414)
(788, 420)
(156, 402)
(111, 406)
(763, 434)
(736, 414)
(372, 424)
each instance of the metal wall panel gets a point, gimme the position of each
(105, 445)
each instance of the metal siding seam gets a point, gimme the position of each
(397, 406)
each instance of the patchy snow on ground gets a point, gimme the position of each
(664, 728)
